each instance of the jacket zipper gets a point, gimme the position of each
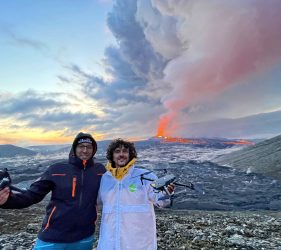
(49, 219)
(73, 186)
(119, 183)
(82, 182)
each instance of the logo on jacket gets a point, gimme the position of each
(132, 188)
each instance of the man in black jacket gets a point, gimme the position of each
(71, 213)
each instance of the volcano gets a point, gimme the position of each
(202, 141)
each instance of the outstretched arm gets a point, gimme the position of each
(36, 192)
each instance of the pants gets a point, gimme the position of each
(85, 244)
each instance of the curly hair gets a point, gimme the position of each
(118, 143)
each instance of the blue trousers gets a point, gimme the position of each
(85, 244)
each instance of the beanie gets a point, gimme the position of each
(84, 138)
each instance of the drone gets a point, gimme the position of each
(162, 183)
(6, 181)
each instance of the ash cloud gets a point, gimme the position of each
(190, 60)
(133, 64)
(227, 44)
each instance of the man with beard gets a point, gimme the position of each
(128, 217)
(70, 218)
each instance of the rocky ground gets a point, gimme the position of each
(177, 229)
(219, 230)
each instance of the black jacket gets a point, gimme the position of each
(71, 212)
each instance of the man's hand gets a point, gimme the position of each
(4, 194)
(171, 188)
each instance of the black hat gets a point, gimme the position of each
(84, 138)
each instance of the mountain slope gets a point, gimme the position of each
(264, 157)
(264, 125)
(8, 150)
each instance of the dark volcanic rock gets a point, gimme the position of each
(264, 158)
(182, 229)
(176, 229)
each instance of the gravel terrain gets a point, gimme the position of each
(176, 229)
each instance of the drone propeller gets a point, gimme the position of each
(189, 185)
(142, 176)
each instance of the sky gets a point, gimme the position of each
(136, 69)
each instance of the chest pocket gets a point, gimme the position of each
(65, 186)
(134, 192)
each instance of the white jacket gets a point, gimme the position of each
(128, 218)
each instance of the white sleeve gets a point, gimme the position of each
(99, 202)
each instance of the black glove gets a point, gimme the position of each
(5, 179)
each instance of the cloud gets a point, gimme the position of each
(123, 89)
(26, 102)
(134, 49)
(132, 120)
(64, 79)
(48, 111)
(159, 30)
(23, 41)
(218, 44)
(60, 120)
(78, 71)
(119, 67)
(106, 1)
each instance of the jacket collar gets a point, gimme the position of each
(81, 164)
(120, 173)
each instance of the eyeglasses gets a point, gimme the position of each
(88, 147)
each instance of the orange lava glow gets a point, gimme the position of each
(240, 142)
(167, 139)
(162, 126)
